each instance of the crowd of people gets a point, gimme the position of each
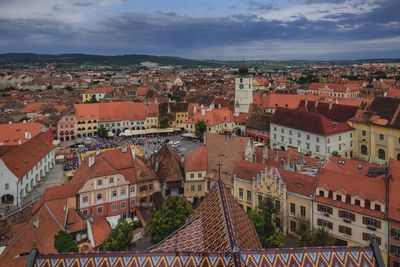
(71, 161)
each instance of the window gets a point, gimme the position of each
(199, 187)
(357, 202)
(278, 205)
(395, 250)
(132, 190)
(377, 207)
(192, 188)
(293, 208)
(321, 193)
(308, 145)
(308, 137)
(344, 230)
(325, 209)
(303, 211)
(199, 175)
(85, 199)
(143, 188)
(381, 154)
(298, 134)
(317, 139)
(282, 130)
(282, 138)
(85, 212)
(123, 192)
(99, 196)
(248, 195)
(6, 186)
(293, 226)
(364, 150)
(123, 205)
(325, 223)
(371, 222)
(381, 137)
(99, 182)
(290, 132)
(316, 148)
(395, 233)
(369, 237)
(99, 210)
(240, 193)
(114, 207)
(290, 141)
(339, 197)
(111, 180)
(363, 133)
(150, 186)
(192, 175)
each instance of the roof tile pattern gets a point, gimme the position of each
(218, 224)
(331, 256)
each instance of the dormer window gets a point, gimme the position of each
(357, 202)
(321, 193)
(377, 207)
(339, 197)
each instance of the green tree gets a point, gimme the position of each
(169, 218)
(270, 236)
(121, 237)
(64, 242)
(200, 128)
(164, 122)
(102, 132)
(313, 238)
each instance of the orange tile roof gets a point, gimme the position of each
(298, 183)
(10, 134)
(394, 189)
(101, 230)
(33, 107)
(281, 100)
(197, 159)
(247, 170)
(113, 162)
(142, 91)
(213, 117)
(23, 158)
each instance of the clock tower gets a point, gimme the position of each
(243, 91)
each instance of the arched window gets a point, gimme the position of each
(364, 150)
(381, 154)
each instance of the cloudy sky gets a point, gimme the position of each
(204, 29)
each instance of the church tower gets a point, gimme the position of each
(243, 91)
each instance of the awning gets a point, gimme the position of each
(191, 135)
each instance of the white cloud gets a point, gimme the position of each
(322, 11)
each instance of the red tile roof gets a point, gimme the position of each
(10, 134)
(247, 170)
(24, 157)
(394, 189)
(100, 90)
(311, 122)
(196, 160)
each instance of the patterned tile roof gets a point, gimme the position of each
(218, 224)
(330, 256)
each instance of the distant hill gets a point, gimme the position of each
(16, 60)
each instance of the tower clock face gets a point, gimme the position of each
(241, 86)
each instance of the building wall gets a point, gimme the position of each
(243, 94)
(151, 122)
(302, 211)
(318, 145)
(19, 188)
(66, 128)
(195, 185)
(394, 249)
(86, 127)
(369, 135)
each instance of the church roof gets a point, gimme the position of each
(218, 224)
(319, 256)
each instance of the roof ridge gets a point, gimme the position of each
(228, 221)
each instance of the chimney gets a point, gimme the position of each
(35, 222)
(10, 122)
(194, 110)
(316, 103)
(91, 160)
(24, 121)
(182, 160)
(26, 135)
(330, 105)
(203, 112)
(19, 142)
(156, 165)
(219, 106)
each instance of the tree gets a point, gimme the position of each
(313, 238)
(64, 242)
(169, 218)
(121, 237)
(200, 128)
(269, 234)
(164, 122)
(102, 132)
